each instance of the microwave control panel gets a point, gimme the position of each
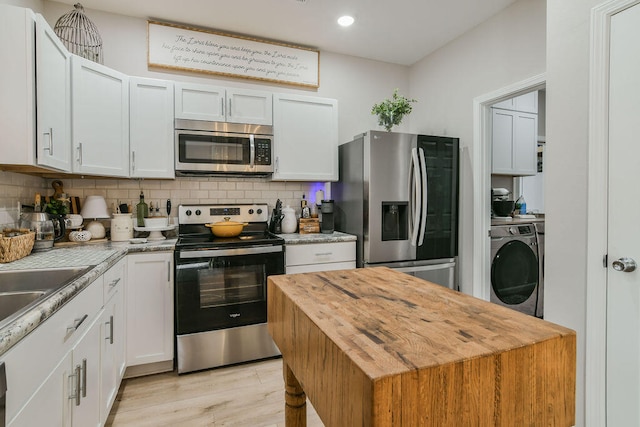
(263, 152)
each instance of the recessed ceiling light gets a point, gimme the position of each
(346, 20)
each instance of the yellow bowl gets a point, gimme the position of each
(226, 228)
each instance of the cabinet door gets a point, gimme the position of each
(51, 404)
(100, 119)
(525, 159)
(112, 351)
(151, 128)
(53, 124)
(249, 106)
(149, 299)
(86, 363)
(199, 102)
(514, 142)
(306, 138)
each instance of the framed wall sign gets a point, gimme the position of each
(178, 47)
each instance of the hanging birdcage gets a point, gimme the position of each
(79, 34)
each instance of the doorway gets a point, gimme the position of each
(612, 116)
(482, 178)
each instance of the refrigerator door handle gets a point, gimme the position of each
(414, 195)
(423, 195)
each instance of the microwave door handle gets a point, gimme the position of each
(414, 196)
(423, 195)
(252, 149)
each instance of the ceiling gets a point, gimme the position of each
(396, 31)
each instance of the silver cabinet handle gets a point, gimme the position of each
(84, 378)
(114, 282)
(80, 153)
(323, 254)
(76, 324)
(230, 110)
(76, 377)
(222, 105)
(626, 265)
(168, 271)
(110, 323)
(133, 161)
(50, 147)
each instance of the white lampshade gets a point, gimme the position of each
(95, 207)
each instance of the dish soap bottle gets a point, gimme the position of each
(142, 210)
(521, 206)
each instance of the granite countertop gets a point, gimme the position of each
(100, 256)
(302, 239)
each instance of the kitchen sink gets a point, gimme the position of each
(20, 290)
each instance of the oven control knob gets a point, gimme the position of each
(250, 211)
(188, 212)
(259, 211)
(198, 212)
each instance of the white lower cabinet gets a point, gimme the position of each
(305, 258)
(149, 308)
(112, 345)
(67, 371)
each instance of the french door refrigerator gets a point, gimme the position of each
(398, 193)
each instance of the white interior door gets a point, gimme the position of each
(623, 288)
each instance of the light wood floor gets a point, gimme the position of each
(243, 395)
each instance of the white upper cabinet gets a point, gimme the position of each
(100, 119)
(199, 102)
(527, 103)
(305, 138)
(35, 87)
(219, 104)
(514, 142)
(151, 128)
(249, 106)
(53, 99)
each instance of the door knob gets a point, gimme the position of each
(626, 265)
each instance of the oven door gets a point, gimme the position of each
(224, 288)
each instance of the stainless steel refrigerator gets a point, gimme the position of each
(398, 193)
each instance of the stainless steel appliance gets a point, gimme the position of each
(515, 269)
(204, 147)
(221, 286)
(398, 193)
(539, 226)
(48, 229)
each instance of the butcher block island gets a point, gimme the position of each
(376, 347)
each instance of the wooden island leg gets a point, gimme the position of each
(295, 409)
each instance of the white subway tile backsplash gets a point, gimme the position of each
(182, 190)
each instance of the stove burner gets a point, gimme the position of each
(192, 232)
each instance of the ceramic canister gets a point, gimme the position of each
(121, 227)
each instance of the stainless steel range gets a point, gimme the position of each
(221, 286)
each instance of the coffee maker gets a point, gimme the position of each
(327, 225)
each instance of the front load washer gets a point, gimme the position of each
(540, 239)
(515, 271)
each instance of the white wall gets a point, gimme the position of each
(568, 32)
(356, 83)
(504, 50)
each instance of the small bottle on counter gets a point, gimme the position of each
(304, 212)
(142, 210)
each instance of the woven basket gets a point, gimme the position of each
(15, 247)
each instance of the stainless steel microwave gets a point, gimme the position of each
(211, 148)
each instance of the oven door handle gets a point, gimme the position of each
(212, 253)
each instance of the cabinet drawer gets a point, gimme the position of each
(319, 253)
(113, 278)
(31, 361)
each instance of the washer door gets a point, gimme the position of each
(514, 272)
